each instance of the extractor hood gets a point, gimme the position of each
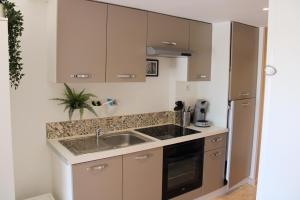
(167, 52)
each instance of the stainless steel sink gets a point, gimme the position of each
(91, 144)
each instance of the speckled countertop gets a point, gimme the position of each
(70, 158)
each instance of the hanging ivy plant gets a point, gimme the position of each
(15, 29)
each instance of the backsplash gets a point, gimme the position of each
(83, 127)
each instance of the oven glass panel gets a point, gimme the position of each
(183, 172)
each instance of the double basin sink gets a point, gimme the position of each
(92, 144)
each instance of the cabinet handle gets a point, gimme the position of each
(244, 94)
(143, 157)
(169, 43)
(217, 139)
(83, 76)
(216, 154)
(97, 168)
(245, 104)
(126, 76)
(202, 76)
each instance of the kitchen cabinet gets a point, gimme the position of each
(200, 44)
(101, 179)
(244, 61)
(167, 31)
(242, 136)
(80, 41)
(142, 175)
(213, 170)
(215, 142)
(126, 44)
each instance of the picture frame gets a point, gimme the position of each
(152, 68)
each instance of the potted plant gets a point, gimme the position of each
(76, 101)
(15, 30)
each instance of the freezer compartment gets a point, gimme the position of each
(244, 61)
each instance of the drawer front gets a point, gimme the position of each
(142, 175)
(101, 179)
(215, 142)
(213, 172)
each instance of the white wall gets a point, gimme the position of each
(7, 190)
(216, 91)
(279, 172)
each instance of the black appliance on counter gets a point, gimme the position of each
(182, 162)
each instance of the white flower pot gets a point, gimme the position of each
(1, 11)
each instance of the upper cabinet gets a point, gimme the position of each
(81, 41)
(244, 61)
(91, 41)
(200, 43)
(126, 44)
(167, 31)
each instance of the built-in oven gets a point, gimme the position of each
(182, 168)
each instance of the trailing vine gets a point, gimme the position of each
(15, 29)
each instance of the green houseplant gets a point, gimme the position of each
(76, 101)
(15, 30)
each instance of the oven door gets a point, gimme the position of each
(183, 168)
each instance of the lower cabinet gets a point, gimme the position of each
(136, 176)
(213, 171)
(97, 180)
(142, 175)
(130, 177)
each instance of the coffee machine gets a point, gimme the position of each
(200, 111)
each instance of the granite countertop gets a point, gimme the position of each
(71, 159)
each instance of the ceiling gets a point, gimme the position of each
(245, 11)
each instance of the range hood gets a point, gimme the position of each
(167, 52)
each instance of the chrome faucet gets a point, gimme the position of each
(99, 133)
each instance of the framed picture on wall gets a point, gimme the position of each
(152, 67)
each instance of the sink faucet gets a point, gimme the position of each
(99, 133)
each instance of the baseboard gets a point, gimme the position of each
(224, 190)
(252, 181)
(220, 192)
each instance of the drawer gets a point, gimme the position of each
(215, 142)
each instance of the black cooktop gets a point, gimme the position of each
(167, 131)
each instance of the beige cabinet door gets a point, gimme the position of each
(242, 136)
(167, 31)
(126, 44)
(142, 175)
(199, 64)
(81, 41)
(98, 180)
(213, 170)
(244, 61)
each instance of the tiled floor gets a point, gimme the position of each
(246, 192)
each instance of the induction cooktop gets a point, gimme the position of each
(167, 131)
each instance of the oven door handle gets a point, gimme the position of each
(184, 157)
